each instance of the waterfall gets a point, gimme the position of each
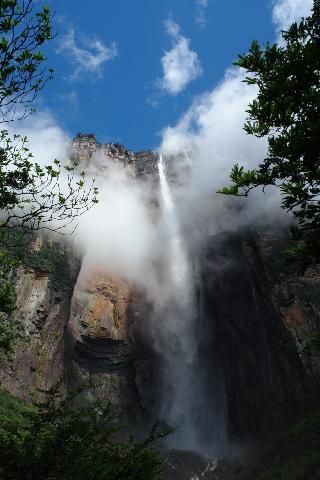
(180, 275)
(176, 330)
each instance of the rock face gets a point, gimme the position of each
(107, 351)
(296, 298)
(139, 165)
(246, 337)
(259, 320)
(39, 358)
(98, 335)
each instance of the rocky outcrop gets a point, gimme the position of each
(39, 358)
(139, 165)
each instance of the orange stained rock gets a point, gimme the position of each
(100, 310)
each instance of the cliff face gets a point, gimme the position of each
(98, 338)
(39, 359)
(138, 165)
(295, 297)
(247, 338)
(259, 319)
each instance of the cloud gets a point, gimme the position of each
(46, 139)
(286, 12)
(180, 65)
(210, 134)
(87, 55)
(201, 17)
(211, 130)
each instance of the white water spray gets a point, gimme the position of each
(176, 324)
(180, 274)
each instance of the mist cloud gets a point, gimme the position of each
(119, 235)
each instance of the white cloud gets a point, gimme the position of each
(180, 65)
(87, 55)
(213, 129)
(46, 139)
(286, 12)
(201, 16)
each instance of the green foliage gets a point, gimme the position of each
(30, 195)
(49, 259)
(35, 197)
(23, 70)
(287, 110)
(306, 251)
(10, 329)
(14, 414)
(243, 181)
(10, 332)
(312, 344)
(7, 296)
(62, 441)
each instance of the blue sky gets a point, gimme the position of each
(126, 69)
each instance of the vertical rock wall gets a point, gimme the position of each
(100, 357)
(247, 335)
(38, 362)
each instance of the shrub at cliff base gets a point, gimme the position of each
(56, 440)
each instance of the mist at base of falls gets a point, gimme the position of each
(178, 333)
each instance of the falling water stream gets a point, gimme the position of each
(177, 318)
